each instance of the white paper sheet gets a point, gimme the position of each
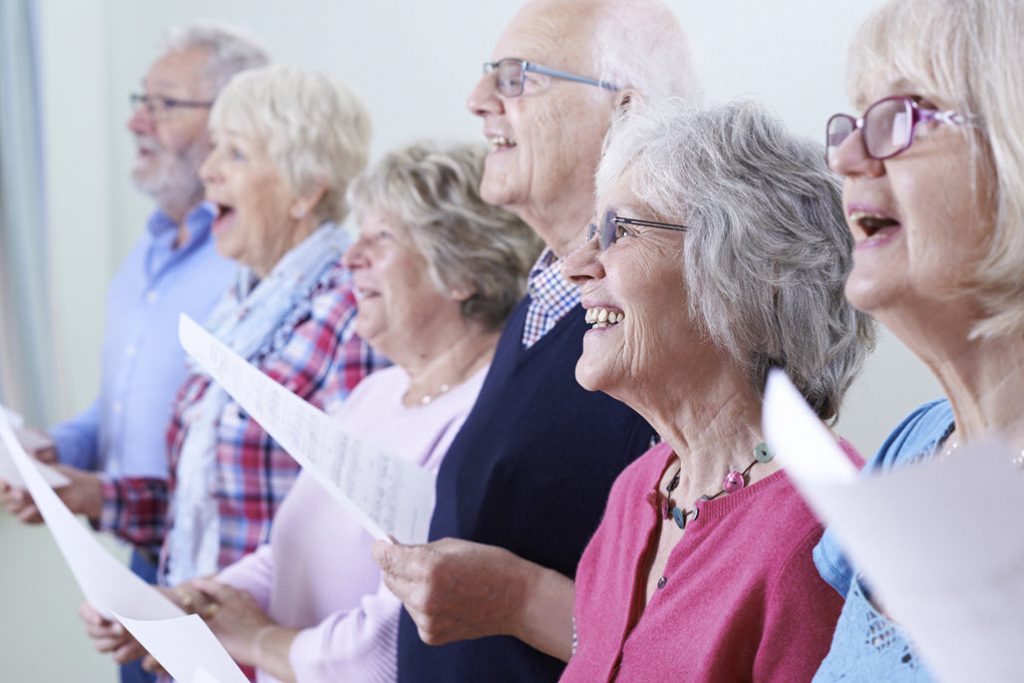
(940, 543)
(388, 496)
(180, 645)
(29, 441)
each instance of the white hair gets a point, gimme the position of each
(317, 131)
(231, 50)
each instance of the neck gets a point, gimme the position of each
(983, 378)
(447, 361)
(713, 434)
(297, 233)
(561, 226)
(178, 212)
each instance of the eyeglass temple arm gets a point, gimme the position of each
(652, 224)
(566, 76)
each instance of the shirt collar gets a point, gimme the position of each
(198, 222)
(547, 286)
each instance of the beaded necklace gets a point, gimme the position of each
(734, 481)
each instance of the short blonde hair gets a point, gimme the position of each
(317, 131)
(432, 192)
(969, 53)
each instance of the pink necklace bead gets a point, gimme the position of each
(733, 482)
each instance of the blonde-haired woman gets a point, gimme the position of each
(934, 197)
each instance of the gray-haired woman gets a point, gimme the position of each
(436, 270)
(718, 252)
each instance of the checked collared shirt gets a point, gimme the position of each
(551, 297)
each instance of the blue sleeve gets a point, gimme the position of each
(77, 439)
(913, 438)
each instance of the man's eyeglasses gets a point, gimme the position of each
(158, 105)
(887, 127)
(511, 75)
(611, 228)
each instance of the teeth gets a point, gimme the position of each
(500, 141)
(603, 317)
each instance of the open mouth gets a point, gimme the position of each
(600, 317)
(224, 215)
(873, 225)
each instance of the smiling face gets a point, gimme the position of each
(919, 230)
(171, 146)
(635, 296)
(545, 143)
(254, 223)
(400, 308)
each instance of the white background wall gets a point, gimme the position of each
(414, 63)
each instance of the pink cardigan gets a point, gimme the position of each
(742, 600)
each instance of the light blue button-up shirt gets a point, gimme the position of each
(143, 365)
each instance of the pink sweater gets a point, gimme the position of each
(317, 573)
(742, 600)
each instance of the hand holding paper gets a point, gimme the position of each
(182, 644)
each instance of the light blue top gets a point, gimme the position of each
(143, 365)
(867, 646)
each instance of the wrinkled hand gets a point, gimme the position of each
(455, 589)
(235, 618)
(109, 636)
(83, 496)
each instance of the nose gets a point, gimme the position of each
(583, 263)
(354, 257)
(141, 121)
(483, 99)
(851, 159)
(209, 171)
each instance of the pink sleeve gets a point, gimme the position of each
(253, 573)
(356, 645)
(800, 618)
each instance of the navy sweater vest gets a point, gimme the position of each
(529, 471)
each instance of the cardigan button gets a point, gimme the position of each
(661, 582)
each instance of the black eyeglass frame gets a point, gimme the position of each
(606, 236)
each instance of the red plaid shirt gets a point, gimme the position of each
(321, 360)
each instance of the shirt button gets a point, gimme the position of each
(152, 296)
(129, 351)
(661, 582)
(118, 407)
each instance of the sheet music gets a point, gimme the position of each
(29, 441)
(940, 543)
(180, 645)
(388, 496)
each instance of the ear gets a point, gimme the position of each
(627, 99)
(460, 293)
(302, 205)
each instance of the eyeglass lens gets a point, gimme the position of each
(510, 77)
(887, 128)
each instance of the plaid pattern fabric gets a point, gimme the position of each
(316, 356)
(551, 297)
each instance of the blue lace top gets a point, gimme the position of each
(867, 646)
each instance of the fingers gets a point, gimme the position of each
(150, 664)
(20, 504)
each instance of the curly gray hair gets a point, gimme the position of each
(768, 250)
(432, 191)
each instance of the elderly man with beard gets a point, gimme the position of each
(525, 482)
(173, 268)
